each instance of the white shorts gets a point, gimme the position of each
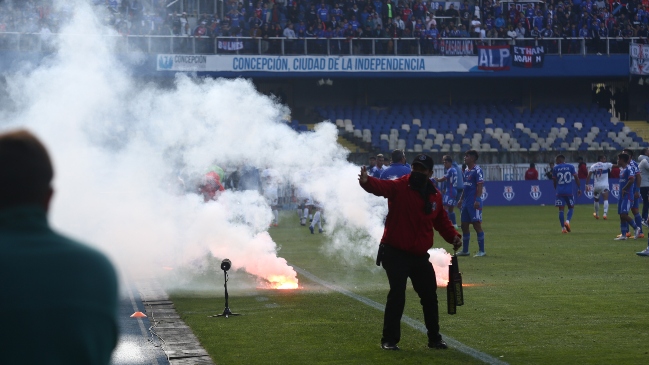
(305, 200)
(598, 189)
(271, 197)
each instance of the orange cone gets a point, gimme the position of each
(138, 315)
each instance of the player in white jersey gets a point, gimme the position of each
(599, 172)
(304, 200)
(317, 217)
(270, 184)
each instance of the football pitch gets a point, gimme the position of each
(539, 297)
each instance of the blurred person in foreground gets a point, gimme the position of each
(60, 302)
(415, 210)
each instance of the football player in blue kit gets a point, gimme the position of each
(563, 175)
(450, 192)
(471, 204)
(627, 191)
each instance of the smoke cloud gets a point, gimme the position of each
(117, 144)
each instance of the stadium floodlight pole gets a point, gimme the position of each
(225, 266)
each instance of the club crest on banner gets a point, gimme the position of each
(484, 194)
(509, 193)
(535, 192)
(616, 191)
(589, 191)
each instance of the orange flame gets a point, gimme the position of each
(282, 282)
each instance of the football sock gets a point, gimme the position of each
(632, 224)
(570, 211)
(316, 219)
(481, 241)
(624, 228)
(561, 220)
(596, 208)
(605, 207)
(465, 242)
(276, 215)
(452, 217)
(310, 216)
(305, 213)
(638, 220)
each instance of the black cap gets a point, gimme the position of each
(424, 160)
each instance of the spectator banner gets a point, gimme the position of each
(494, 58)
(456, 47)
(639, 59)
(537, 192)
(230, 45)
(358, 64)
(528, 56)
(445, 5)
(519, 5)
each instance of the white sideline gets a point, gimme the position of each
(405, 319)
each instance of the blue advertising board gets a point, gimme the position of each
(536, 192)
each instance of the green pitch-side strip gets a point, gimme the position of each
(405, 319)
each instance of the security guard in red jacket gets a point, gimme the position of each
(414, 209)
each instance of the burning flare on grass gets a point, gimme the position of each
(282, 282)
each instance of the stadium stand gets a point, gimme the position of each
(483, 126)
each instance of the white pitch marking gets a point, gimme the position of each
(405, 319)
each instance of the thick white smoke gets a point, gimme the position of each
(116, 141)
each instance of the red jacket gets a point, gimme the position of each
(582, 171)
(407, 227)
(531, 174)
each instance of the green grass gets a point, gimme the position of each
(539, 297)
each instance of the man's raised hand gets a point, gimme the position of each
(363, 175)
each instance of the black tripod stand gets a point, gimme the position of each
(226, 312)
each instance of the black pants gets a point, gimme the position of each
(399, 266)
(644, 193)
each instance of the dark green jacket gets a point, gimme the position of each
(58, 297)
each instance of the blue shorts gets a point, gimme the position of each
(624, 206)
(449, 201)
(561, 200)
(470, 214)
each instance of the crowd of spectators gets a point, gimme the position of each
(346, 19)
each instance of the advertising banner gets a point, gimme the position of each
(538, 192)
(342, 64)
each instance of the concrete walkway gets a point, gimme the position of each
(159, 339)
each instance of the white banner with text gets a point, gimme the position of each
(252, 63)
